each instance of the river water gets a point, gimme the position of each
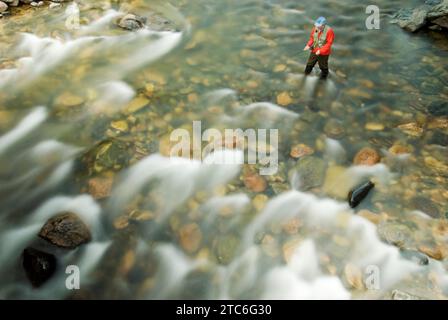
(86, 116)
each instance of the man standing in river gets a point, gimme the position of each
(321, 40)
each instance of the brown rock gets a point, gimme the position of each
(284, 99)
(300, 150)
(100, 188)
(190, 237)
(433, 251)
(65, 230)
(292, 226)
(255, 182)
(367, 157)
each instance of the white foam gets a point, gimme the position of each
(28, 124)
(83, 205)
(178, 179)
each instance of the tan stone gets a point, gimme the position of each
(434, 252)
(100, 188)
(190, 236)
(412, 129)
(120, 125)
(292, 226)
(353, 275)
(136, 104)
(284, 99)
(255, 182)
(68, 99)
(300, 150)
(374, 126)
(367, 157)
(259, 201)
(289, 248)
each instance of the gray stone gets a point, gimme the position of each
(132, 22)
(433, 12)
(311, 171)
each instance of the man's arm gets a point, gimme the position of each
(325, 49)
(310, 42)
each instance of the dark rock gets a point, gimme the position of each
(439, 138)
(441, 22)
(110, 154)
(65, 230)
(358, 194)
(438, 108)
(39, 266)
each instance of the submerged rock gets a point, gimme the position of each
(111, 154)
(334, 129)
(425, 205)
(415, 256)
(358, 194)
(284, 99)
(300, 150)
(438, 108)
(225, 248)
(412, 129)
(255, 182)
(65, 230)
(439, 138)
(367, 157)
(132, 22)
(311, 171)
(432, 13)
(190, 237)
(396, 234)
(401, 295)
(100, 188)
(434, 251)
(39, 266)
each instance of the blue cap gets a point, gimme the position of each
(320, 22)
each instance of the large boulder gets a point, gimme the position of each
(434, 13)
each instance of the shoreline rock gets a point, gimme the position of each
(433, 15)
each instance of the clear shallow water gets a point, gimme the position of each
(96, 106)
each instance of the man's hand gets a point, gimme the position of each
(318, 52)
(306, 48)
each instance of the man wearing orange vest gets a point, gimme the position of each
(321, 39)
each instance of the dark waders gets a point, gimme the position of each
(323, 64)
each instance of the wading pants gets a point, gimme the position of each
(323, 64)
